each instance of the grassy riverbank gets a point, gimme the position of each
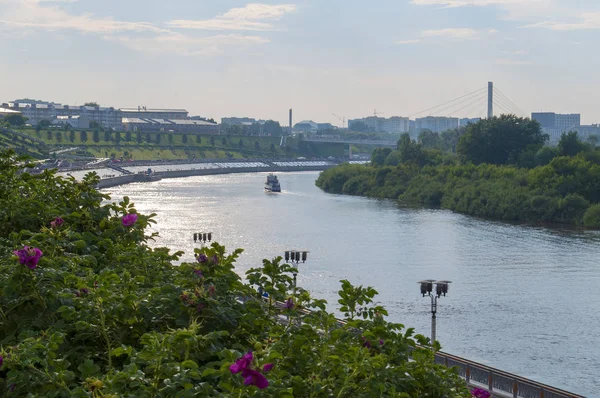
(561, 189)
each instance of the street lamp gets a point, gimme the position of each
(295, 257)
(441, 288)
(202, 237)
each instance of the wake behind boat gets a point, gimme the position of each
(272, 184)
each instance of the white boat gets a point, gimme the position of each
(272, 184)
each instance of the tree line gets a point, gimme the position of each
(499, 168)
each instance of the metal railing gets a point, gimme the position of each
(499, 383)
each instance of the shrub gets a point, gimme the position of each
(90, 310)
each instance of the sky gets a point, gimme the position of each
(326, 59)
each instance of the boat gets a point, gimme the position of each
(272, 184)
(146, 176)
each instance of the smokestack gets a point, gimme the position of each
(490, 100)
(290, 121)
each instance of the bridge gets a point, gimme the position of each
(377, 143)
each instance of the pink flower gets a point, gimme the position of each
(57, 223)
(480, 393)
(129, 219)
(268, 367)
(241, 364)
(29, 256)
(253, 377)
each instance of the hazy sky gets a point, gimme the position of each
(348, 57)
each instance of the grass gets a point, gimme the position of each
(208, 146)
(155, 146)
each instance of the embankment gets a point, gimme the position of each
(127, 179)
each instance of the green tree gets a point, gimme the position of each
(170, 138)
(500, 140)
(59, 136)
(72, 135)
(198, 139)
(409, 150)
(545, 155)
(157, 139)
(93, 103)
(224, 141)
(118, 137)
(272, 128)
(570, 144)
(138, 137)
(128, 136)
(107, 136)
(593, 139)
(49, 135)
(212, 140)
(83, 136)
(379, 156)
(184, 138)
(15, 119)
(44, 124)
(273, 147)
(430, 140)
(256, 145)
(241, 143)
(95, 125)
(95, 136)
(148, 138)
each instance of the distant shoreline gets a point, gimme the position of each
(131, 178)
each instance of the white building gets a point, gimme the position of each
(143, 112)
(395, 124)
(437, 124)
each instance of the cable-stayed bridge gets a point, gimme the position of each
(487, 100)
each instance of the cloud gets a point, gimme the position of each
(31, 14)
(492, 31)
(179, 44)
(587, 21)
(455, 33)
(414, 41)
(245, 18)
(464, 3)
(508, 61)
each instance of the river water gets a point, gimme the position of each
(523, 299)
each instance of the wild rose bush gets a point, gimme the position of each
(88, 309)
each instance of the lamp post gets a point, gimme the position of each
(295, 257)
(202, 237)
(441, 288)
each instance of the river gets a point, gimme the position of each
(523, 299)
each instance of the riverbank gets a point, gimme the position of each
(564, 192)
(261, 167)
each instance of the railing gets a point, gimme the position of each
(499, 383)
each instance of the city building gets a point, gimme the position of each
(5, 111)
(37, 111)
(232, 121)
(394, 124)
(551, 120)
(466, 121)
(306, 126)
(76, 122)
(437, 124)
(554, 124)
(143, 112)
(170, 126)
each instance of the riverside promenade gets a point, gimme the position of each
(113, 175)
